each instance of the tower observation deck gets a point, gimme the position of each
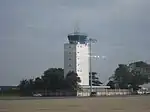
(77, 37)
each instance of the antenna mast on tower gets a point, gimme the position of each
(76, 28)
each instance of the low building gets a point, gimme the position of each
(102, 91)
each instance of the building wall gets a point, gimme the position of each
(69, 58)
(105, 92)
(82, 63)
(76, 59)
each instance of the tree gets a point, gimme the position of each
(72, 81)
(131, 76)
(95, 79)
(53, 79)
(38, 84)
(31, 84)
(26, 87)
(122, 76)
(111, 84)
(23, 85)
(140, 74)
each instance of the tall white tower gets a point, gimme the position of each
(76, 56)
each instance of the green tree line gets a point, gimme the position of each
(52, 80)
(130, 76)
(125, 77)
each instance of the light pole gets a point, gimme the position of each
(90, 41)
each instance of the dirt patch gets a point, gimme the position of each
(100, 104)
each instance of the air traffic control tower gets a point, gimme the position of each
(76, 56)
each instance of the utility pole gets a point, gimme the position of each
(90, 64)
(90, 60)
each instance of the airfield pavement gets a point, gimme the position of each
(73, 104)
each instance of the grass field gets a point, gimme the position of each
(97, 104)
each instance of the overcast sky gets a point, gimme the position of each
(32, 34)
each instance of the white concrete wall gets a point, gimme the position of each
(79, 61)
(106, 92)
(82, 63)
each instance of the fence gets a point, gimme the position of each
(86, 92)
(58, 93)
(105, 92)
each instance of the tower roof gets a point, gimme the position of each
(77, 37)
